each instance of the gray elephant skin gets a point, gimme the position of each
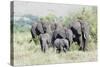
(77, 31)
(80, 31)
(61, 44)
(38, 28)
(45, 41)
(63, 33)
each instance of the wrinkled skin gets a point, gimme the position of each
(38, 28)
(85, 34)
(61, 44)
(45, 41)
(80, 31)
(58, 32)
(63, 33)
(77, 31)
(69, 35)
(55, 26)
(46, 27)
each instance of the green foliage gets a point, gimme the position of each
(49, 18)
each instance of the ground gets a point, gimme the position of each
(26, 53)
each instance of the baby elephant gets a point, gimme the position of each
(61, 44)
(45, 41)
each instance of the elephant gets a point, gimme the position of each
(53, 26)
(57, 28)
(61, 44)
(69, 35)
(85, 33)
(46, 27)
(63, 33)
(38, 28)
(45, 41)
(56, 25)
(80, 31)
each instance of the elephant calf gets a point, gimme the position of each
(61, 44)
(45, 41)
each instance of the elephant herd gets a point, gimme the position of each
(59, 36)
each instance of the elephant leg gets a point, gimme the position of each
(41, 44)
(85, 41)
(44, 49)
(68, 48)
(58, 50)
(64, 49)
(85, 45)
(80, 43)
(69, 43)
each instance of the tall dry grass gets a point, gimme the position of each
(26, 53)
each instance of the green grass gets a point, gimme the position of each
(26, 53)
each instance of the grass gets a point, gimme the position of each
(26, 53)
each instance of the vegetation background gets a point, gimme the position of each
(26, 53)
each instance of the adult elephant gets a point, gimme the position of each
(80, 31)
(38, 28)
(61, 44)
(45, 26)
(85, 33)
(63, 33)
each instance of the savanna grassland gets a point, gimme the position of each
(26, 53)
